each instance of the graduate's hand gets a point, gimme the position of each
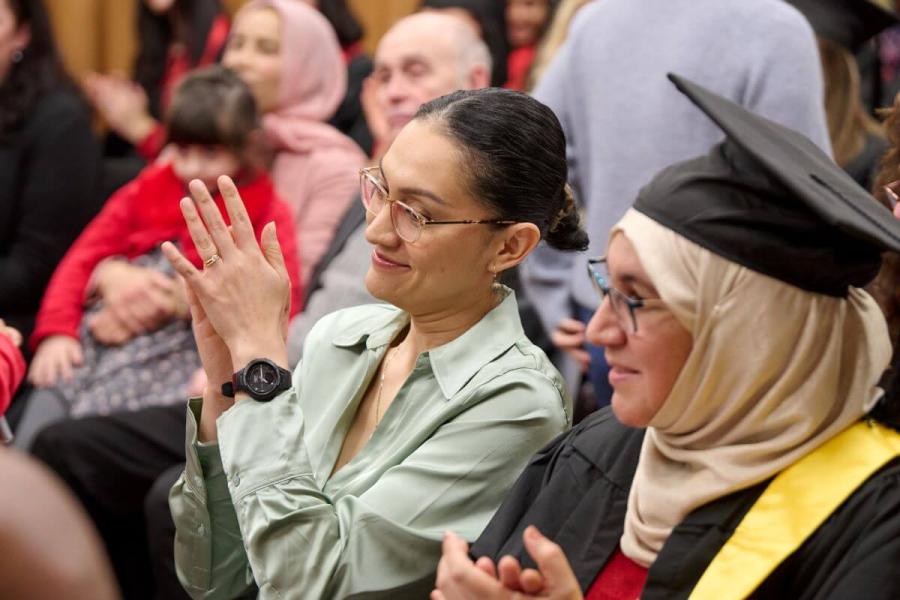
(244, 288)
(56, 358)
(460, 579)
(569, 337)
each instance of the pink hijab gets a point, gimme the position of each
(316, 166)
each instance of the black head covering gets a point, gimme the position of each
(769, 199)
(849, 23)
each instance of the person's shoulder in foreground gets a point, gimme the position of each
(50, 549)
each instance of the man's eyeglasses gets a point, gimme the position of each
(407, 221)
(623, 306)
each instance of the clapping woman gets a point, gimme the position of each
(403, 419)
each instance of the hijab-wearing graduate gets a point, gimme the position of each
(743, 456)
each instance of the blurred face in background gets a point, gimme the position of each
(206, 163)
(254, 53)
(418, 60)
(525, 21)
(13, 38)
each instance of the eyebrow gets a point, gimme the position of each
(413, 191)
(404, 61)
(633, 280)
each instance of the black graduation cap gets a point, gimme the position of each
(849, 23)
(771, 200)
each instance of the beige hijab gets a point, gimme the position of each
(775, 371)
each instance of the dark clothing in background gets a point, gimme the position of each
(349, 118)
(49, 171)
(576, 490)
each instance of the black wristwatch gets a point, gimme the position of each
(262, 379)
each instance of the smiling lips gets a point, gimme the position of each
(619, 374)
(380, 260)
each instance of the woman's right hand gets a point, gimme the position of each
(569, 337)
(55, 359)
(217, 365)
(123, 105)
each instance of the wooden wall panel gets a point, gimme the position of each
(377, 16)
(99, 35)
(94, 35)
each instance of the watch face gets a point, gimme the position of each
(261, 378)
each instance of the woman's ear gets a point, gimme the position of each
(517, 242)
(22, 37)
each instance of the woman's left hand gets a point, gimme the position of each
(244, 289)
(458, 578)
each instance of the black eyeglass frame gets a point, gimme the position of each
(366, 174)
(615, 296)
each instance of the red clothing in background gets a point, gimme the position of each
(178, 65)
(518, 66)
(620, 579)
(137, 219)
(12, 370)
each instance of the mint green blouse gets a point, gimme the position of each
(262, 505)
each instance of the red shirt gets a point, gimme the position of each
(620, 579)
(137, 219)
(12, 370)
(518, 64)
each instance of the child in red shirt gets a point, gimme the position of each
(113, 331)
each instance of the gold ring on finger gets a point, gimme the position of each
(211, 260)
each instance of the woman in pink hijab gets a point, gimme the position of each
(290, 57)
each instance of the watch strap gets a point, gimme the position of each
(228, 389)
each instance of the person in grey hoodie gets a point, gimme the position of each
(624, 122)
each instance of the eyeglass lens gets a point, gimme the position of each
(405, 221)
(622, 310)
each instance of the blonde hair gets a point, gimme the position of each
(552, 40)
(848, 121)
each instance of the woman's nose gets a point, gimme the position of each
(604, 328)
(235, 58)
(380, 228)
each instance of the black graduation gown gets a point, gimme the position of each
(575, 491)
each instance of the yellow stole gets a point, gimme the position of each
(793, 506)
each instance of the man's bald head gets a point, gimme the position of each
(424, 56)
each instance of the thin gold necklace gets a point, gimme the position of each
(384, 368)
